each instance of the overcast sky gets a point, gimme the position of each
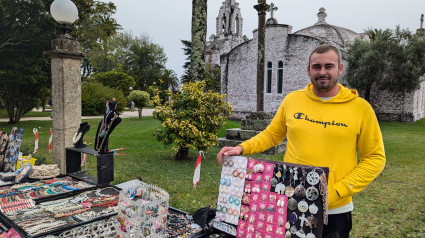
(167, 22)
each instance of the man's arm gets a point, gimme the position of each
(271, 136)
(372, 158)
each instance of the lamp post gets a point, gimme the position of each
(66, 81)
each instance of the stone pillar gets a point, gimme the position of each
(66, 59)
(261, 7)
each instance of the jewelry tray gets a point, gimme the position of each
(105, 190)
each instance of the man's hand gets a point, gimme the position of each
(228, 151)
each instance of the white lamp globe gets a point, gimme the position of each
(64, 11)
(131, 88)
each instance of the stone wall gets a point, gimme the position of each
(239, 69)
(408, 107)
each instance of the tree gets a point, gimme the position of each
(406, 62)
(26, 30)
(140, 99)
(145, 62)
(213, 78)
(114, 79)
(93, 30)
(43, 97)
(212, 73)
(367, 61)
(187, 50)
(191, 119)
(94, 95)
(392, 60)
(199, 32)
(170, 79)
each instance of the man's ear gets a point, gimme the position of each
(308, 70)
(341, 67)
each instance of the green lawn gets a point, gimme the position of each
(3, 114)
(392, 206)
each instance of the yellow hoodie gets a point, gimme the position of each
(328, 134)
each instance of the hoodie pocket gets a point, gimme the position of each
(333, 196)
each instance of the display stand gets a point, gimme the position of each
(105, 165)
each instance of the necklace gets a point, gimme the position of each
(104, 131)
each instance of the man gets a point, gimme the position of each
(325, 124)
(132, 106)
(113, 106)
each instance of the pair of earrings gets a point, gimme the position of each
(281, 203)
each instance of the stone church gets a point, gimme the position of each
(286, 60)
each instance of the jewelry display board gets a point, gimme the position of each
(39, 219)
(270, 199)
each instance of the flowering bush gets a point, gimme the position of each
(191, 118)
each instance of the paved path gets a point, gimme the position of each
(145, 112)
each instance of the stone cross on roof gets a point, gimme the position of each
(272, 9)
(321, 16)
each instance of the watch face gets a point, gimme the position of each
(24, 173)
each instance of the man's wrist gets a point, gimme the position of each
(241, 149)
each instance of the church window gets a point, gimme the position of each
(223, 24)
(237, 31)
(269, 77)
(280, 77)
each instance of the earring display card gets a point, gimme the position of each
(231, 189)
(277, 199)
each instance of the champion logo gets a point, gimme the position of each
(302, 116)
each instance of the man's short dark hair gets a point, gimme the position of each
(325, 48)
